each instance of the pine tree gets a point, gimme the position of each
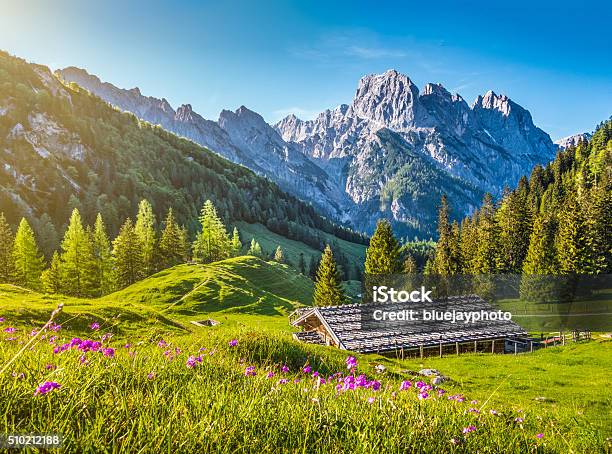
(102, 259)
(468, 244)
(573, 245)
(541, 257)
(255, 249)
(383, 256)
(27, 259)
(278, 255)
(302, 264)
(328, 286)
(184, 245)
(77, 258)
(599, 225)
(6, 250)
(145, 229)
(172, 243)
(127, 252)
(48, 238)
(236, 245)
(312, 267)
(485, 260)
(410, 266)
(51, 278)
(515, 224)
(446, 261)
(213, 242)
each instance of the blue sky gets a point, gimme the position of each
(553, 58)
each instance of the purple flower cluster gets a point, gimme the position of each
(469, 429)
(46, 387)
(250, 371)
(193, 361)
(351, 363)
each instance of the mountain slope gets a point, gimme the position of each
(339, 161)
(241, 136)
(62, 147)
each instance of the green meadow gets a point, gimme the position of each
(195, 392)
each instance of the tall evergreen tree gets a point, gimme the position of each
(51, 278)
(236, 244)
(383, 253)
(410, 266)
(77, 258)
(145, 229)
(48, 239)
(328, 286)
(302, 264)
(485, 260)
(312, 267)
(468, 244)
(515, 224)
(541, 257)
(599, 225)
(102, 259)
(573, 243)
(27, 259)
(213, 242)
(6, 250)
(446, 260)
(278, 255)
(127, 252)
(255, 249)
(171, 243)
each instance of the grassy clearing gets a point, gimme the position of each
(146, 398)
(292, 249)
(142, 399)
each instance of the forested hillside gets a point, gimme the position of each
(557, 221)
(63, 148)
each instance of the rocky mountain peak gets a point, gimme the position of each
(184, 113)
(492, 101)
(435, 89)
(573, 140)
(389, 99)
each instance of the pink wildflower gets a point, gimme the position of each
(233, 342)
(468, 429)
(405, 385)
(46, 387)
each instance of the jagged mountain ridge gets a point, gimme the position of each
(391, 153)
(242, 136)
(490, 144)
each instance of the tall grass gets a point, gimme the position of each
(142, 400)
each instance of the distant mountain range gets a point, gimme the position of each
(391, 153)
(572, 141)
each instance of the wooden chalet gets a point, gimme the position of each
(348, 327)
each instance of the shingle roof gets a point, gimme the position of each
(353, 326)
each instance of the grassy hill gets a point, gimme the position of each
(269, 241)
(239, 289)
